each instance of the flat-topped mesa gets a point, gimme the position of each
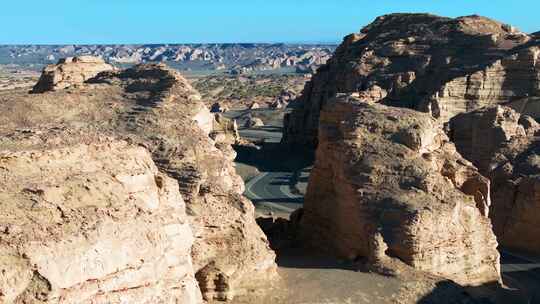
(70, 71)
(433, 64)
(387, 184)
(504, 145)
(154, 106)
(86, 218)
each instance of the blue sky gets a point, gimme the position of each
(170, 21)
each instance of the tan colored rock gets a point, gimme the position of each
(479, 134)
(514, 77)
(70, 71)
(224, 130)
(156, 107)
(254, 106)
(88, 219)
(505, 147)
(433, 64)
(253, 122)
(388, 184)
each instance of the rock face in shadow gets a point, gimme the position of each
(504, 146)
(70, 71)
(155, 107)
(432, 64)
(387, 184)
(89, 219)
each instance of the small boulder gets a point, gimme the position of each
(254, 106)
(254, 122)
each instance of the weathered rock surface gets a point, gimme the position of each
(89, 219)
(438, 65)
(388, 184)
(504, 146)
(252, 122)
(225, 132)
(254, 106)
(156, 107)
(70, 71)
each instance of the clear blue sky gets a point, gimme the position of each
(169, 21)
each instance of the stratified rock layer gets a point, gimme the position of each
(70, 71)
(156, 107)
(88, 219)
(504, 146)
(387, 183)
(428, 63)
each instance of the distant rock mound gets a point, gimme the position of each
(89, 219)
(154, 106)
(388, 184)
(254, 106)
(253, 122)
(504, 145)
(70, 71)
(433, 64)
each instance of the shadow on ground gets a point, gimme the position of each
(275, 157)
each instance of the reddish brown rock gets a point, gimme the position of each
(387, 184)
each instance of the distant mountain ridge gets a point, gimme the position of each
(237, 57)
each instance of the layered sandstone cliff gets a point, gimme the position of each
(504, 145)
(89, 219)
(388, 184)
(157, 108)
(70, 71)
(438, 65)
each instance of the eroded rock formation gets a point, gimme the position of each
(504, 145)
(70, 71)
(387, 183)
(157, 108)
(438, 65)
(89, 219)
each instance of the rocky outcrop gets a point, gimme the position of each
(253, 122)
(70, 71)
(89, 219)
(504, 145)
(438, 65)
(283, 99)
(225, 131)
(254, 106)
(218, 108)
(388, 184)
(155, 107)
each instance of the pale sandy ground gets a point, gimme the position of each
(15, 78)
(310, 280)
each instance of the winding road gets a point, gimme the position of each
(272, 190)
(522, 273)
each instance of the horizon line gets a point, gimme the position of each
(175, 43)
